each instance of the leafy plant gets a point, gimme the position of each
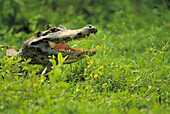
(128, 74)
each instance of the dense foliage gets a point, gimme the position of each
(129, 74)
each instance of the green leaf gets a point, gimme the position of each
(61, 59)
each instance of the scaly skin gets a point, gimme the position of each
(53, 41)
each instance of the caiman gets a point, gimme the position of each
(51, 42)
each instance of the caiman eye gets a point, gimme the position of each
(53, 29)
(80, 34)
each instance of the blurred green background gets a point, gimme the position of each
(129, 73)
(22, 17)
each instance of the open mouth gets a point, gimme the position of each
(64, 47)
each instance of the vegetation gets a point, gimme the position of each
(129, 74)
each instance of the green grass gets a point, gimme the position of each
(130, 72)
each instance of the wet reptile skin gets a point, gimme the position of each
(38, 49)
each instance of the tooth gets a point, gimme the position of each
(96, 48)
(94, 33)
(81, 49)
(86, 37)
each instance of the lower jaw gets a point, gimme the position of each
(66, 48)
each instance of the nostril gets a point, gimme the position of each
(53, 29)
(90, 26)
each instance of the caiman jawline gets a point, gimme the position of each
(64, 47)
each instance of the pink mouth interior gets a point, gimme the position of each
(66, 48)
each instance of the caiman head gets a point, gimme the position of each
(53, 41)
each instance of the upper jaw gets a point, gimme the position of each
(64, 35)
(57, 42)
(68, 35)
